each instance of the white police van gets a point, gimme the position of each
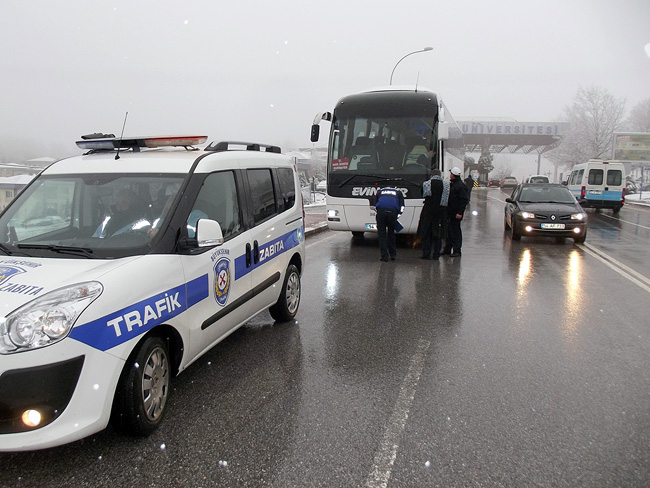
(121, 267)
(598, 184)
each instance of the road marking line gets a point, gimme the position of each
(320, 241)
(635, 277)
(626, 221)
(387, 452)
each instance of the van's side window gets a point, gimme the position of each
(614, 177)
(595, 177)
(262, 194)
(580, 175)
(217, 200)
(287, 196)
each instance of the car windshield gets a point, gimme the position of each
(545, 194)
(88, 215)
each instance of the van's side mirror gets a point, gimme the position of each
(208, 233)
(315, 131)
(565, 183)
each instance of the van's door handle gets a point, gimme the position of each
(256, 252)
(248, 255)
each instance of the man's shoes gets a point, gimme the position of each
(455, 254)
(392, 258)
(425, 257)
(385, 260)
(446, 251)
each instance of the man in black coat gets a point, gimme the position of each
(458, 200)
(433, 218)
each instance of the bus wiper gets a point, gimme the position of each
(377, 177)
(83, 251)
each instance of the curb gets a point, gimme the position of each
(309, 231)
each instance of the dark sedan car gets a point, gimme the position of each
(544, 210)
(494, 183)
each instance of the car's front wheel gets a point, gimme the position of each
(286, 307)
(143, 389)
(580, 239)
(514, 233)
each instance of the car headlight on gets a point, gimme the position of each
(578, 216)
(527, 215)
(47, 319)
(332, 213)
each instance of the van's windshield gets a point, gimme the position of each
(87, 215)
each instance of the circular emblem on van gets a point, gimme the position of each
(6, 272)
(222, 281)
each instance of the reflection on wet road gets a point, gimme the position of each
(520, 364)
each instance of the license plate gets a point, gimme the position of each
(371, 226)
(595, 192)
(552, 226)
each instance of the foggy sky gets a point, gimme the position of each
(260, 70)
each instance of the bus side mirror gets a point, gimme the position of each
(443, 131)
(315, 131)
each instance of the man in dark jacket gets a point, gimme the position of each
(389, 205)
(458, 200)
(433, 218)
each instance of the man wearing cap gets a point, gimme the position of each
(389, 205)
(458, 200)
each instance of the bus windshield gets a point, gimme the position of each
(382, 145)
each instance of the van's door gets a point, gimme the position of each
(272, 237)
(224, 268)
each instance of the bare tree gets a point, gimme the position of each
(639, 119)
(593, 118)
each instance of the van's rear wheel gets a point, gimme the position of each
(286, 307)
(616, 209)
(143, 389)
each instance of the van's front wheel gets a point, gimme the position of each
(286, 307)
(143, 389)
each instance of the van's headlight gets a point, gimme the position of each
(578, 216)
(47, 319)
(527, 215)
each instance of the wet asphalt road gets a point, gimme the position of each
(520, 364)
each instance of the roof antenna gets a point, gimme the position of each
(417, 80)
(117, 156)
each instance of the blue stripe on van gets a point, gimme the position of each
(129, 322)
(268, 251)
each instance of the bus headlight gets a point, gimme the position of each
(332, 213)
(47, 319)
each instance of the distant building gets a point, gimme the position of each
(10, 186)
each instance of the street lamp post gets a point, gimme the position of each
(420, 51)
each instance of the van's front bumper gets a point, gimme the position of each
(69, 384)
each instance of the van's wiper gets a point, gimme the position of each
(83, 251)
(5, 249)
